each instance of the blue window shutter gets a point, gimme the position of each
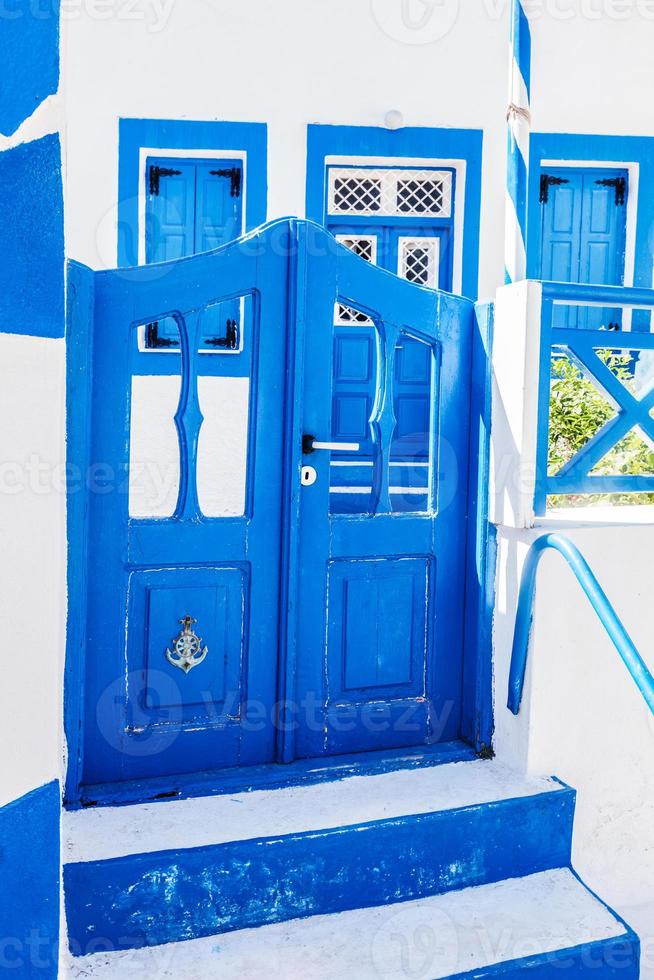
(602, 243)
(218, 220)
(219, 203)
(562, 230)
(583, 238)
(170, 210)
(561, 237)
(193, 206)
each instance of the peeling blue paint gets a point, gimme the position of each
(29, 51)
(29, 884)
(32, 240)
(167, 896)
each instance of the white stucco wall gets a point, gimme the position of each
(582, 717)
(287, 64)
(33, 567)
(336, 62)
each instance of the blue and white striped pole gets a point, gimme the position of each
(519, 126)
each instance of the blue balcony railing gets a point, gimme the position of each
(604, 331)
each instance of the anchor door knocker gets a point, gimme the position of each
(187, 650)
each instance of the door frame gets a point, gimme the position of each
(477, 714)
(139, 138)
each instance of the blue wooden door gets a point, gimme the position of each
(194, 206)
(179, 561)
(382, 509)
(583, 236)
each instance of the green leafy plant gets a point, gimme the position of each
(578, 410)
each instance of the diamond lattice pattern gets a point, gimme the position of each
(406, 193)
(419, 261)
(364, 246)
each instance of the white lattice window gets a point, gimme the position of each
(418, 260)
(390, 193)
(365, 246)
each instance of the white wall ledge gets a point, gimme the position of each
(609, 516)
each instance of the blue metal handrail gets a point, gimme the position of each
(608, 617)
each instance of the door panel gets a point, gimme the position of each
(391, 594)
(217, 598)
(583, 238)
(382, 529)
(183, 564)
(208, 562)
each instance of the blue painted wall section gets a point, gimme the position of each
(32, 240)
(147, 899)
(432, 143)
(29, 52)
(29, 884)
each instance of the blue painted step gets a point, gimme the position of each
(169, 871)
(541, 926)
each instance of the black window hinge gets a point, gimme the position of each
(620, 185)
(547, 181)
(156, 173)
(153, 340)
(234, 175)
(231, 339)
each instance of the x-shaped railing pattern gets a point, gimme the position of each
(583, 347)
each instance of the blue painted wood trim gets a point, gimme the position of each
(291, 494)
(477, 714)
(607, 615)
(79, 377)
(302, 772)
(636, 296)
(148, 899)
(178, 134)
(30, 884)
(434, 143)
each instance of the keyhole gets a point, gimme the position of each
(309, 476)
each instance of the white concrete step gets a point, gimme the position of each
(110, 832)
(519, 923)
(182, 869)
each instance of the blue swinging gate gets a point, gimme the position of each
(267, 531)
